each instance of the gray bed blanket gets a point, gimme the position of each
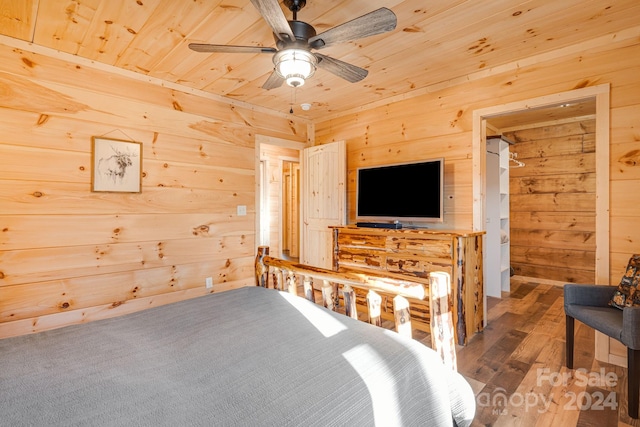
(246, 357)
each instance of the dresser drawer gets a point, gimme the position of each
(415, 266)
(432, 248)
(361, 258)
(362, 240)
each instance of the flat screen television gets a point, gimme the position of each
(402, 192)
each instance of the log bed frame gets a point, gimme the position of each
(285, 275)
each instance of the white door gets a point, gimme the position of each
(324, 178)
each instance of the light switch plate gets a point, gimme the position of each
(242, 210)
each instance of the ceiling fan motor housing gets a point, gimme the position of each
(302, 31)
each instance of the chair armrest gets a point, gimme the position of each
(589, 295)
(631, 327)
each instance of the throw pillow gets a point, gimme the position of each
(628, 294)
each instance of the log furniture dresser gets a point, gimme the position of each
(416, 253)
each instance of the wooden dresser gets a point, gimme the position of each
(415, 253)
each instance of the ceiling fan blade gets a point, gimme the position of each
(223, 48)
(271, 12)
(376, 22)
(274, 81)
(350, 73)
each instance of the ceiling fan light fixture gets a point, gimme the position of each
(295, 80)
(295, 65)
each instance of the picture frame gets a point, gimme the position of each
(117, 166)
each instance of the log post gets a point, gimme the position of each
(402, 316)
(327, 295)
(278, 281)
(291, 282)
(336, 259)
(349, 296)
(442, 335)
(262, 271)
(374, 301)
(307, 284)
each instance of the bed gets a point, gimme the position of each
(249, 356)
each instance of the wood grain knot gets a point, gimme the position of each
(201, 230)
(631, 158)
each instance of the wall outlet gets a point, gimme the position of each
(242, 210)
(208, 282)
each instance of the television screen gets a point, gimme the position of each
(401, 192)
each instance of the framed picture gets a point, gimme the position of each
(117, 166)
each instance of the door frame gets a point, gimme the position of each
(262, 140)
(600, 94)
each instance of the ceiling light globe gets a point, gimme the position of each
(295, 65)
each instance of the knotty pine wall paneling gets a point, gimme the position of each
(438, 122)
(553, 202)
(69, 255)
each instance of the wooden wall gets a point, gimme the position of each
(68, 254)
(552, 202)
(438, 122)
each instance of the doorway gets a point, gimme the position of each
(600, 96)
(607, 349)
(277, 195)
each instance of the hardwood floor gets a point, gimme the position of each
(520, 359)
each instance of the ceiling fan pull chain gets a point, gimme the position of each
(293, 91)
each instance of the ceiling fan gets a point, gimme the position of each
(293, 60)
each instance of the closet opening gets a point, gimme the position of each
(556, 226)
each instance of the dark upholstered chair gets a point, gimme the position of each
(590, 305)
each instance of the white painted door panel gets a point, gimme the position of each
(323, 201)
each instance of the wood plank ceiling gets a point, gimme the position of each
(435, 41)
